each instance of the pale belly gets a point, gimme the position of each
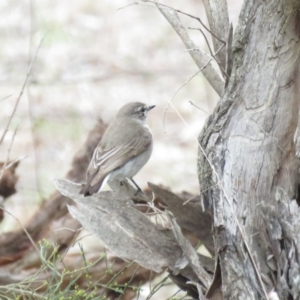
(132, 167)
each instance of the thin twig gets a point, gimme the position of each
(189, 15)
(72, 243)
(188, 200)
(213, 77)
(158, 286)
(15, 161)
(193, 104)
(166, 109)
(17, 290)
(215, 80)
(129, 281)
(211, 52)
(24, 229)
(6, 97)
(130, 4)
(206, 40)
(164, 117)
(22, 90)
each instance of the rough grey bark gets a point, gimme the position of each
(247, 159)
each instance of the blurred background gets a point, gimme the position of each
(96, 56)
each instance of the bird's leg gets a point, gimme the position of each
(139, 190)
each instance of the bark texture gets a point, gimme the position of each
(247, 160)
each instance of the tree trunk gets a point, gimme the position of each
(247, 162)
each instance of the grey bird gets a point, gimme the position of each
(124, 149)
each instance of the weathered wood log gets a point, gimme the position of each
(128, 233)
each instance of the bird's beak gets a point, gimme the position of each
(150, 107)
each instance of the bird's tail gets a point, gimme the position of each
(88, 189)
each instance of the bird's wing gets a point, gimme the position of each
(108, 159)
(105, 161)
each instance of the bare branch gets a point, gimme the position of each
(201, 60)
(122, 228)
(229, 58)
(217, 15)
(214, 55)
(188, 15)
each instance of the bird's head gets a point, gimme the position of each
(136, 110)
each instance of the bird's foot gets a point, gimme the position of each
(139, 191)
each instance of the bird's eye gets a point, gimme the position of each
(143, 109)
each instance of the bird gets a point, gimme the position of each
(124, 149)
